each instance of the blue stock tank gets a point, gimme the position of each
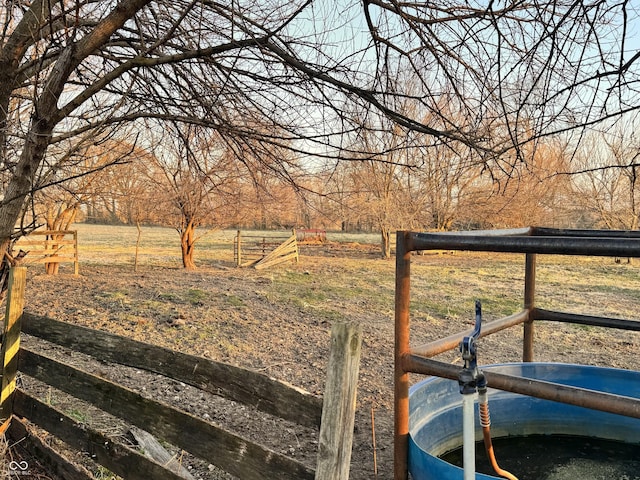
(435, 414)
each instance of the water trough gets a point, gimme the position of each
(424, 422)
(435, 414)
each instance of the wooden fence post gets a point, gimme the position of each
(239, 250)
(339, 403)
(11, 342)
(76, 259)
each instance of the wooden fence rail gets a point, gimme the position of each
(227, 450)
(263, 251)
(231, 452)
(235, 383)
(57, 246)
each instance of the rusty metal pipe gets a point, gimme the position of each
(529, 304)
(550, 315)
(556, 392)
(401, 376)
(452, 341)
(555, 245)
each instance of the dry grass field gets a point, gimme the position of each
(278, 321)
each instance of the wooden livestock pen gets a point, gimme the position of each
(204, 439)
(51, 247)
(264, 250)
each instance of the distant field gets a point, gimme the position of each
(161, 246)
(444, 286)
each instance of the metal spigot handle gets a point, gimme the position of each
(478, 325)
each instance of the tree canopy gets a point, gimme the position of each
(304, 75)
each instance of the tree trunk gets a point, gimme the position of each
(385, 242)
(187, 242)
(52, 268)
(22, 179)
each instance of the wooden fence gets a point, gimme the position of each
(54, 246)
(311, 236)
(227, 450)
(263, 251)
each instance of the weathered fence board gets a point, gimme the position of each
(288, 250)
(53, 461)
(118, 458)
(54, 248)
(230, 452)
(11, 341)
(238, 384)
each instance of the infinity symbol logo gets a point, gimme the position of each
(15, 466)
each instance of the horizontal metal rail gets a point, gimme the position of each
(449, 343)
(552, 245)
(553, 316)
(576, 232)
(581, 397)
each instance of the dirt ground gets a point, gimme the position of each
(238, 316)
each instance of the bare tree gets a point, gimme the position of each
(70, 178)
(77, 66)
(337, 198)
(532, 192)
(194, 178)
(606, 177)
(376, 176)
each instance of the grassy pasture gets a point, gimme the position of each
(443, 286)
(278, 320)
(107, 244)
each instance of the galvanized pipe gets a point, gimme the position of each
(469, 436)
(606, 402)
(569, 245)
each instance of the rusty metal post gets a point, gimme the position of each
(529, 305)
(401, 377)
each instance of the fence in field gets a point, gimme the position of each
(51, 247)
(311, 235)
(263, 251)
(227, 450)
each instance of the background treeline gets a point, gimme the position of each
(592, 187)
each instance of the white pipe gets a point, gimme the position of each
(468, 436)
